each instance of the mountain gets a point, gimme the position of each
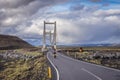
(93, 45)
(12, 42)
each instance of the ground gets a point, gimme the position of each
(23, 64)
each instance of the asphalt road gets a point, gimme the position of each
(71, 69)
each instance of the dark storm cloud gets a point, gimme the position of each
(77, 7)
(95, 0)
(15, 12)
(106, 1)
(14, 3)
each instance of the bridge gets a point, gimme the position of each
(66, 68)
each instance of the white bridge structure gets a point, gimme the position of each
(51, 33)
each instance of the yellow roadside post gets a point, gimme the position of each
(49, 73)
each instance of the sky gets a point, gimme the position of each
(78, 21)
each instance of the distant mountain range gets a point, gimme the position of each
(12, 42)
(93, 45)
(38, 42)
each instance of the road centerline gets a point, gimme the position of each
(91, 73)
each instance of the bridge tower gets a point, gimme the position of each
(52, 35)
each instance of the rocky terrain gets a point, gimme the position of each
(109, 57)
(22, 64)
(21, 61)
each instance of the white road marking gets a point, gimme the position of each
(91, 74)
(90, 63)
(58, 77)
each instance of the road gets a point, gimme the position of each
(71, 69)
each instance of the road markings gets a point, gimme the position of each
(54, 67)
(91, 74)
(91, 63)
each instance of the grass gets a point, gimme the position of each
(20, 69)
(88, 53)
(29, 53)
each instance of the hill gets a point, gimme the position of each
(12, 42)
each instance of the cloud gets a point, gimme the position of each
(15, 12)
(95, 0)
(78, 24)
(14, 3)
(106, 1)
(109, 12)
(77, 7)
(79, 27)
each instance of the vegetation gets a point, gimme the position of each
(106, 56)
(32, 68)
